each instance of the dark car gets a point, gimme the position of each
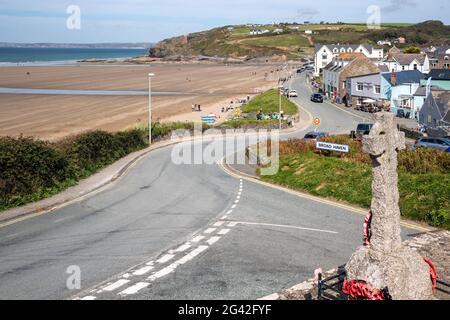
(433, 143)
(317, 97)
(315, 136)
(362, 129)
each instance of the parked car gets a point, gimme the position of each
(361, 130)
(315, 136)
(317, 97)
(293, 93)
(433, 143)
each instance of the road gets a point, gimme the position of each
(167, 231)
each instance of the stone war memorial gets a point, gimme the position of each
(384, 263)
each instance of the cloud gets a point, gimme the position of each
(308, 13)
(397, 5)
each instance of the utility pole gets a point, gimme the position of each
(150, 76)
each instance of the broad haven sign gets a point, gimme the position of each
(332, 147)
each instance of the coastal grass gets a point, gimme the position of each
(292, 41)
(424, 178)
(268, 102)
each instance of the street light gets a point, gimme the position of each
(150, 76)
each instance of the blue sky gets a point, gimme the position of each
(153, 20)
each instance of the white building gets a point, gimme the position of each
(397, 62)
(308, 32)
(325, 54)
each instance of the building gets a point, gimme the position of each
(439, 58)
(384, 43)
(363, 88)
(257, 32)
(435, 112)
(324, 54)
(439, 78)
(401, 40)
(397, 62)
(308, 32)
(398, 88)
(346, 65)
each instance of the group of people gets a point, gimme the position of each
(272, 116)
(196, 107)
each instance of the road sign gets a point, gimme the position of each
(210, 119)
(332, 147)
(317, 121)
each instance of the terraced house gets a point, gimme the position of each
(324, 54)
(397, 62)
(336, 73)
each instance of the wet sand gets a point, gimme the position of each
(55, 116)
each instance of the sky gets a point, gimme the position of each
(95, 21)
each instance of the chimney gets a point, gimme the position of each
(394, 78)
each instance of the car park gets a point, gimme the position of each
(317, 97)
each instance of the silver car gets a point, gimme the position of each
(433, 143)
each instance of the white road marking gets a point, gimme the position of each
(238, 197)
(225, 217)
(224, 231)
(213, 240)
(198, 239)
(234, 206)
(183, 248)
(283, 226)
(116, 285)
(126, 275)
(135, 288)
(150, 263)
(210, 230)
(163, 272)
(232, 224)
(219, 223)
(191, 255)
(166, 258)
(143, 271)
(88, 298)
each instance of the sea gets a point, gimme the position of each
(46, 56)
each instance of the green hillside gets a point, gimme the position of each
(290, 40)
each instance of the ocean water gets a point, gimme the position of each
(10, 56)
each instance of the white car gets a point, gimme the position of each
(293, 93)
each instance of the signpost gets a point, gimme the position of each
(332, 147)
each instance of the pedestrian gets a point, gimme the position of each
(199, 108)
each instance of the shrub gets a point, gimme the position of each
(437, 217)
(28, 165)
(422, 161)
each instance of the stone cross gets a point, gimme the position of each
(386, 263)
(383, 144)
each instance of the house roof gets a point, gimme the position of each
(331, 47)
(422, 90)
(364, 75)
(439, 74)
(350, 55)
(442, 99)
(408, 58)
(403, 77)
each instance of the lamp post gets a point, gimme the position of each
(150, 76)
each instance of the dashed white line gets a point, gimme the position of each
(225, 217)
(191, 255)
(213, 240)
(198, 239)
(165, 258)
(88, 298)
(234, 206)
(143, 271)
(210, 230)
(163, 272)
(135, 288)
(229, 211)
(116, 285)
(224, 231)
(183, 248)
(218, 223)
(232, 224)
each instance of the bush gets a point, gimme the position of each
(423, 161)
(28, 165)
(437, 218)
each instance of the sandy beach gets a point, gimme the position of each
(53, 116)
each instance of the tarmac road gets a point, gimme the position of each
(167, 231)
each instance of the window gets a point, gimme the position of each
(403, 68)
(359, 101)
(429, 118)
(335, 50)
(377, 89)
(359, 86)
(350, 50)
(342, 50)
(343, 85)
(324, 57)
(415, 66)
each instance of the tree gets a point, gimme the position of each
(412, 50)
